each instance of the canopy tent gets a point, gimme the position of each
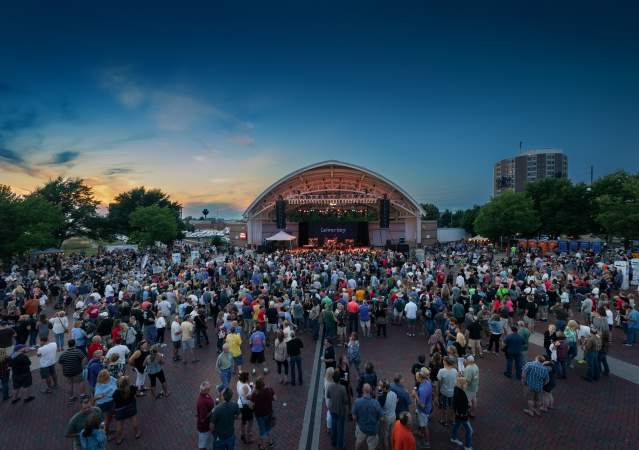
(281, 236)
(478, 238)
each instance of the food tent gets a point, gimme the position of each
(281, 236)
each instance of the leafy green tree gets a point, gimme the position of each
(41, 222)
(26, 223)
(507, 215)
(76, 202)
(127, 202)
(468, 219)
(617, 202)
(445, 219)
(430, 211)
(152, 224)
(561, 206)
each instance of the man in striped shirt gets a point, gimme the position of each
(534, 376)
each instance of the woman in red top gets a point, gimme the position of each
(116, 332)
(402, 437)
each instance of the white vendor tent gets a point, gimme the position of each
(281, 236)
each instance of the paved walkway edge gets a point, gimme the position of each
(307, 438)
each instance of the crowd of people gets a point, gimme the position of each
(111, 323)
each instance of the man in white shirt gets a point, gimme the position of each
(176, 337)
(459, 281)
(410, 310)
(121, 350)
(47, 355)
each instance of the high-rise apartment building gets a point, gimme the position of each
(513, 173)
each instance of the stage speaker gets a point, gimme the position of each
(280, 214)
(402, 240)
(384, 213)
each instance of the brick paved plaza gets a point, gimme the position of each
(587, 416)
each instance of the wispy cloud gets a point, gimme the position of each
(12, 161)
(119, 81)
(243, 140)
(113, 171)
(65, 157)
(172, 109)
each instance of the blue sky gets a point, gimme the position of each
(212, 101)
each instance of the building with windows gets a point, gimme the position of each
(512, 174)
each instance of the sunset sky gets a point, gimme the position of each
(213, 101)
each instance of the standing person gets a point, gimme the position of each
(366, 413)
(59, 326)
(257, 340)
(153, 364)
(403, 398)
(77, 423)
(547, 399)
(474, 338)
(513, 345)
(92, 436)
(388, 401)
(176, 337)
(534, 377)
(21, 374)
(329, 357)
(125, 408)
(410, 310)
(496, 326)
(204, 407)
(354, 357)
(338, 409)
(105, 386)
(592, 345)
(137, 360)
(423, 396)
(263, 398)
(280, 355)
(462, 409)
(160, 326)
(244, 390)
(223, 422)
(234, 340)
(72, 361)
(353, 312)
(365, 318)
(47, 353)
(446, 378)
(603, 353)
(224, 366)
(294, 349)
(632, 326)
(4, 374)
(188, 342)
(402, 437)
(471, 373)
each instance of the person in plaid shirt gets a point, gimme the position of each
(534, 376)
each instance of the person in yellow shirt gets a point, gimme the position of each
(234, 340)
(360, 294)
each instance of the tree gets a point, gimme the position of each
(468, 219)
(429, 211)
(507, 215)
(617, 204)
(75, 201)
(153, 224)
(445, 219)
(26, 223)
(205, 212)
(127, 202)
(561, 206)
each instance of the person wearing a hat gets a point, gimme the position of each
(21, 374)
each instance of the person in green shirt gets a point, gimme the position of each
(471, 373)
(330, 323)
(76, 424)
(524, 332)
